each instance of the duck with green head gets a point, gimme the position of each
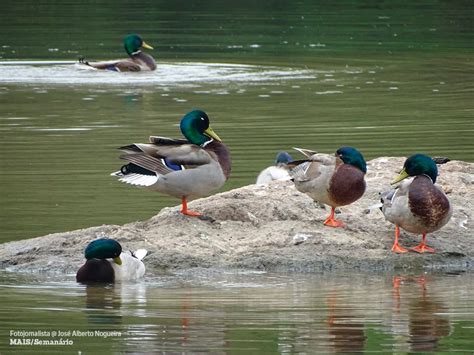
(417, 205)
(137, 61)
(106, 262)
(333, 180)
(183, 168)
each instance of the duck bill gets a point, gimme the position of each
(403, 175)
(117, 260)
(210, 133)
(146, 45)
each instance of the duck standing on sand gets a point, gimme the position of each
(417, 205)
(333, 180)
(106, 262)
(137, 61)
(183, 168)
(279, 171)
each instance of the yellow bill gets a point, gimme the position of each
(117, 260)
(146, 45)
(403, 175)
(210, 133)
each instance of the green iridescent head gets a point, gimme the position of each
(195, 127)
(418, 164)
(353, 157)
(133, 43)
(104, 249)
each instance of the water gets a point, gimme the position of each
(244, 312)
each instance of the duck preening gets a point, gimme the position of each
(279, 171)
(106, 262)
(333, 180)
(137, 60)
(416, 205)
(183, 168)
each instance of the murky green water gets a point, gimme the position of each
(242, 313)
(390, 79)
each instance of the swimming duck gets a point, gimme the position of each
(183, 168)
(106, 262)
(138, 61)
(279, 171)
(417, 205)
(333, 180)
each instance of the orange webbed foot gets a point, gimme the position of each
(331, 222)
(423, 248)
(396, 248)
(185, 211)
(191, 213)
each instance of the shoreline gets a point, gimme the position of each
(271, 228)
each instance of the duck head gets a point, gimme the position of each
(104, 249)
(195, 127)
(283, 158)
(418, 164)
(133, 43)
(352, 157)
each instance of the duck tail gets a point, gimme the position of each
(136, 175)
(82, 60)
(140, 253)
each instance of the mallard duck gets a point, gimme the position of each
(106, 262)
(417, 205)
(333, 180)
(279, 171)
(183, 168)
(138, 60)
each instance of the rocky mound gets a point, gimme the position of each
(272, 227)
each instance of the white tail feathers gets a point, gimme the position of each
(136, 179)
(140, 253)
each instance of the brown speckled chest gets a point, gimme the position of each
(347, 184)
(223, 156)
(427, 202)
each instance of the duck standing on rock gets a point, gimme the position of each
(417, 205)
(106, 262)
(137, 61)
(183, 168)
(333, 180)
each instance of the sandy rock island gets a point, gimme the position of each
(274, 228)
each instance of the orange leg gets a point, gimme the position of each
(331, 221)
(422, 247)
(184, 209)
(396, 248)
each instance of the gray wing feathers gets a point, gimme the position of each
(166, 141)
(185, 154)
(147, 162)
(299, 171)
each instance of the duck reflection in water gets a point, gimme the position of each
(345, 329)
(426, 324)
(103, 304)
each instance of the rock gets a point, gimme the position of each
(271, 227)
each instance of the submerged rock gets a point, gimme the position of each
(271, 227)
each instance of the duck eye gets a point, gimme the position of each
(202, 119)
